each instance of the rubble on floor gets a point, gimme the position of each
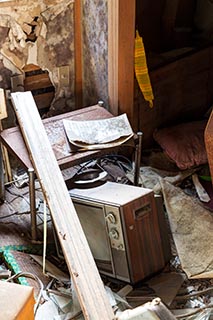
(54, 294)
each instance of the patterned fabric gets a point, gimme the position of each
(141, 70)
(13, 265)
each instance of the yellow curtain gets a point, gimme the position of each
(141, 70)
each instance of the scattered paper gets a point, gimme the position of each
(202, 194)
(95, 134)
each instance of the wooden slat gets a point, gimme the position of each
(31, 67)
(78, 53)
(44, 100)
(89, 287)
(121, 20)
(3, 108)
(37, 81)
(126, 60)
(113, 62)
(3, 115)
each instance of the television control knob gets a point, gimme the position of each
(114, 234)
(111, 218)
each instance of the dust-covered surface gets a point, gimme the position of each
(192, 230)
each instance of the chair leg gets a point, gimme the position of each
(31, 174)
(2, 191)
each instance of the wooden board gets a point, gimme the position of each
(78, 53)
(3, 108)
(113, 62)
(89, 287)
(121, 21)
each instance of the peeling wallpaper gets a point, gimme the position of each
(95, 51)
(40, 33)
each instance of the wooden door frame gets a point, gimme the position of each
(121, 35)
(78, 53)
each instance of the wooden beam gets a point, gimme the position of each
(126, 59)
(89, 287)
(3, 107)
(5, 157)
(78, 54)
(121, 35)
(113, 63)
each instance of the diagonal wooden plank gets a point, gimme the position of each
(89, 287)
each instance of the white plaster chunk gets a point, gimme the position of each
(54, 11)
(54, 76)
(9, 65)
(38, 28)
(13, 58)
(17, 30)
(32, 54)
(24, 16)
(22, 43)
(43, 30)
(26, 28)
(16, 36)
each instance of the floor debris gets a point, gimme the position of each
(191, 227)
(185, 297)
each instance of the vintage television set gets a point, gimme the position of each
(122, 228)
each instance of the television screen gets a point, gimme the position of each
(92, 220)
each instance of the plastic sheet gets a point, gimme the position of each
(203, 315)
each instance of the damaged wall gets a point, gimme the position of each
(39, 33)
(95, 51)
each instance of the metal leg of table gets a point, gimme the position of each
(1, 177)
(31, 174)
(138, 151)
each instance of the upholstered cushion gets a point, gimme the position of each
(184, 143)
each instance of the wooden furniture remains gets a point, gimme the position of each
(208, 137)
(14, 142)
(38, 82)
(121, 35)
(5, 170)
(12, 139)
(86, 279)
(123, 229)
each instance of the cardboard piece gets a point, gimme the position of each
(16, 301)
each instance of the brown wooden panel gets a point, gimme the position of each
(143, 234)
(121, 58)
(44, 100)
(37, 81)
(126, 60)
(78, 54)
(182, 92)
(208, 137)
